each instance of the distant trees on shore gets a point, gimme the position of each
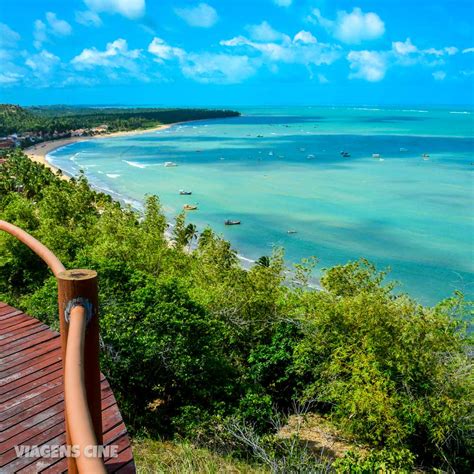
(62, 119)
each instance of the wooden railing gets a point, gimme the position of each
(79, 330)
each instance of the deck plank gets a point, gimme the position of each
(32, 399)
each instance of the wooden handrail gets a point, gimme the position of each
(81, 428)
(79, 329)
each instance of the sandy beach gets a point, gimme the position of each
(39, 151)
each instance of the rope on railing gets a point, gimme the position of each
(79, 329)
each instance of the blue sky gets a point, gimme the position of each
(242, 52)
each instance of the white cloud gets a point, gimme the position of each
(204, 67)
(8, 37)
(218, 68)
(39, 34)
(202, 15)
(305, 37)
(352, 28)
(58, 27)
(451, 50)
(323, 79)
(368, 65)
(404, 47)
(468, 50)
(88, 18)
(42, 66)
(289, 52)
(264, 32)
(439, 75)
(9, 78)
(164, 52)
(129, 8)
(115, 56)
(283, 3)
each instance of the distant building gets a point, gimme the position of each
(78, 133)
(7, 143)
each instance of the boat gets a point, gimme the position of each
(375, 155)
(302, 149)
(230, 222)
(190, 207)
(270, 153)
(182, 192)
(169, 164)
(259, 136)
(310, 156)
(345, 154)
(403, 149)
(425, 156)
(291, 231)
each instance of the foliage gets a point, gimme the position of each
(47, 120)
(190, 338)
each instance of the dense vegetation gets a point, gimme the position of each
(15, 119)
(198, 348)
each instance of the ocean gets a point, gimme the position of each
(281, 169)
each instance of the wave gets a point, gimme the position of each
(460, 112)
(135, 164)
(112, 175)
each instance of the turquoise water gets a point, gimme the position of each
(280, 169)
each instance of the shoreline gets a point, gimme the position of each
(39, 152)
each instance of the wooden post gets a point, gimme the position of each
(80, 287)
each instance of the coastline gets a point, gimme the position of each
(39, 152)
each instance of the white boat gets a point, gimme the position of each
(403, 149)
(170, 164)
(375, 155)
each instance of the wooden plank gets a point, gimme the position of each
(32, 399)
(27, 368)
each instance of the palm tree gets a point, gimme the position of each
(263, 261)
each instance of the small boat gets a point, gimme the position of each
(425, 156)
(229, 222)
(270, 153)
(182, 192)
(403, 149)
(170, 164)
(310, 157)
(345, 154)
(291, 231)
(259, 136)
(375, 155)
(190, 207)
(302, 149)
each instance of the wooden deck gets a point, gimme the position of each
(31, 398)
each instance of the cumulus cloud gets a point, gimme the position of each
(305, 37)
(58, 27)
(128, 8)
(353, 27)
(115, 56)
(163, 51)
(218, 68)
(468, 50)
(368, 65)
(264, 32)
(88, 18)
(42, 63)
(8, 37)
(290, 52)
(202, 15)
(8, 78)
(42, 30)
(439, 75)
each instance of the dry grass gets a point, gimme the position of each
(152, 456)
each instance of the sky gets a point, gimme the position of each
(237, 52)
